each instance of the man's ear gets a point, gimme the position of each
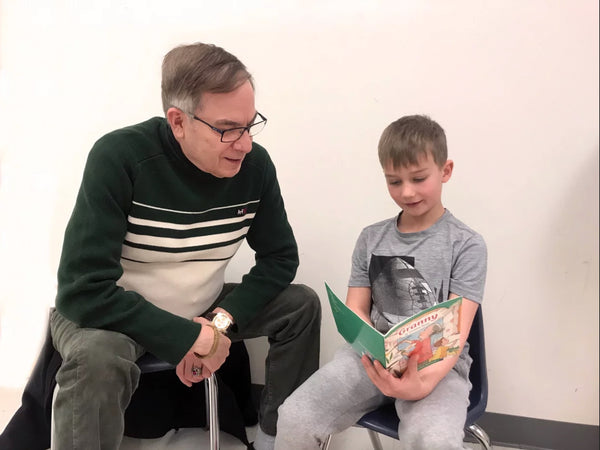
(176, 117)
(447, 170)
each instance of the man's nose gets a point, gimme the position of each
(244, 143)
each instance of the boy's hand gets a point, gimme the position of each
(410, 386)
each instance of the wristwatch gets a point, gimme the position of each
(220, 320)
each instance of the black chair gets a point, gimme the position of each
(384, 420)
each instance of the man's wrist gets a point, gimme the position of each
(215, 342)
(220, 320)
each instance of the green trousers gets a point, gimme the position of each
(99, 375)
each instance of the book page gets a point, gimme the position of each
(362, 336)
(433, 334)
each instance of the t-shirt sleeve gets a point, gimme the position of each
(469, 269)
(359, 274)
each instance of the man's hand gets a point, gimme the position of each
(211, 348)
(410, 386)
(190, 370)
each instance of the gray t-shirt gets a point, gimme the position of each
(409, 272)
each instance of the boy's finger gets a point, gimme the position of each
(413, 363)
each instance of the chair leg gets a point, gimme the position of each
(207, 405)
(374, 436)
(326, 442)
(475, 430)
(478, 433)
(212, 411)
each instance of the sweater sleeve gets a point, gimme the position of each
(276, 253)
(88, 293)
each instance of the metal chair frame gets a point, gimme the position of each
(149, 363)
(384, 420)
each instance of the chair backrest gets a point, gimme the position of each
(478, 396)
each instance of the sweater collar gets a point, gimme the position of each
(173, 150)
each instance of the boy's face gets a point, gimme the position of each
(417, 189)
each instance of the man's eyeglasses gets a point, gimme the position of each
(233, 134)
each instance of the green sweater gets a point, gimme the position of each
(150, 236)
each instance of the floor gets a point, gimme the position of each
(191, 438)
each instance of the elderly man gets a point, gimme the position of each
(163, 207)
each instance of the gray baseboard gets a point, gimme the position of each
(527, 433)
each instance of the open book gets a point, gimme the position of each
(432, 333)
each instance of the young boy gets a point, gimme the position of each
(400, 266)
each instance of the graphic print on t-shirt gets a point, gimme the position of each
(398, 290)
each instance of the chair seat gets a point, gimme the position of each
(149, 363)
(384, 420)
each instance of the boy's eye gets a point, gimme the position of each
(419, 180)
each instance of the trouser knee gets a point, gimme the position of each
(304, 301)
(103, 362)
(430, 438)
(109, 372)
(293, 420)
(300, 423)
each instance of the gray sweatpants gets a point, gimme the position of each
(340, 392)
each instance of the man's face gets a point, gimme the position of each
(202, 145)
(418, 189)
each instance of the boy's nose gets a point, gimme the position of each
(408, 191)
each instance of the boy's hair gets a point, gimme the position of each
(409, 138)
(188, 71)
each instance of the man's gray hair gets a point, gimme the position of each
(188, 71)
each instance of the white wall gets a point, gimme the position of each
(514, 84)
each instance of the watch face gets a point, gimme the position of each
(221, 321)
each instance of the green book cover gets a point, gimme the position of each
(432, 333)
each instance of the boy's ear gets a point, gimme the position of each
(447, 170)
